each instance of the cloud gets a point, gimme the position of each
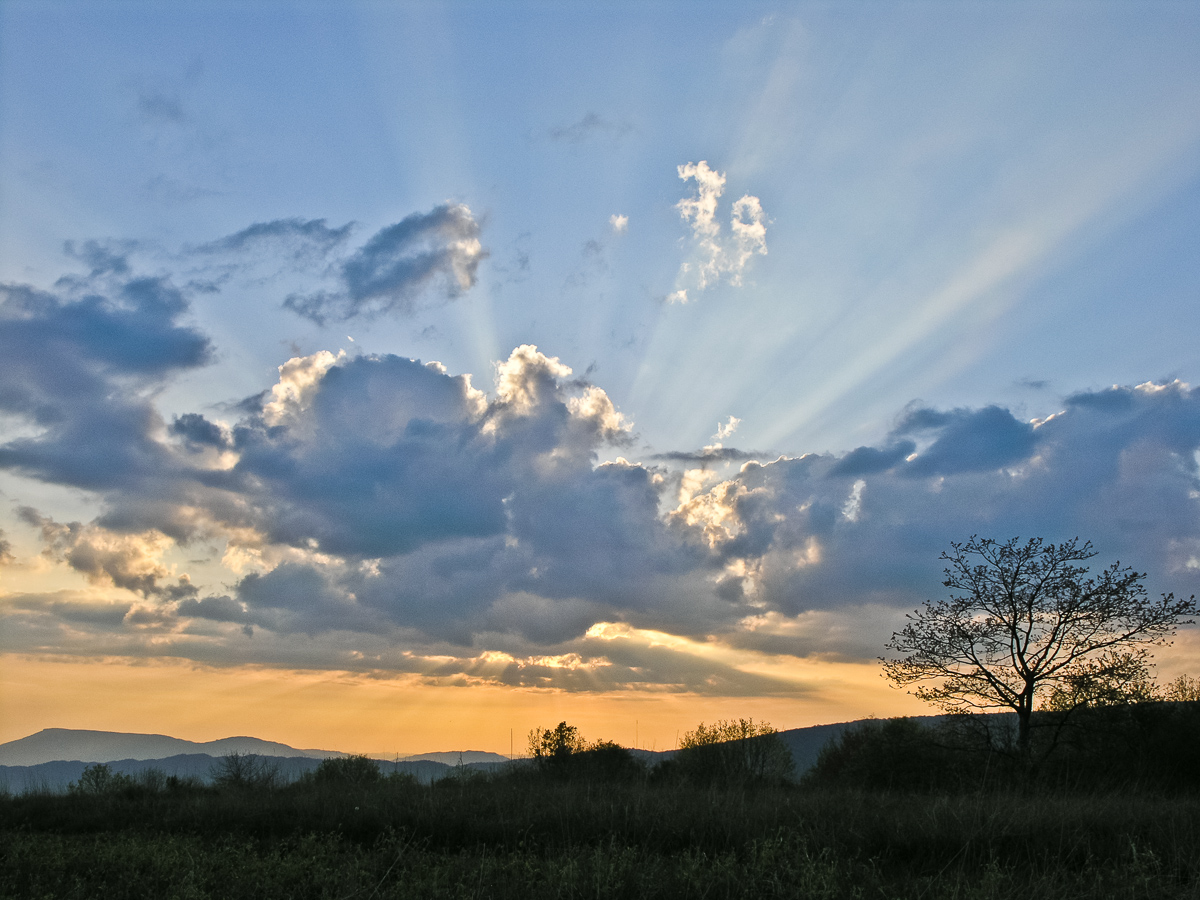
(727, 429)
(619, 224)
(200, 432)
(709, 454)
(159, 108)
(590, 127)
(424, 253)
(968, 441)
(79, 365)
(132, 562)
(819, 531)
(301, 237)
(409, 521)
(715, 257)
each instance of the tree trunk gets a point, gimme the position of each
(1024, 738)
(1023, 743)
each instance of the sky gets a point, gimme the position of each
(395, 377)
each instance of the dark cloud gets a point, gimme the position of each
(157, 108)
(217, 609)
(199, 431)
(868, 460)
(1119, 468)
(412, 521)
(590, 127)
(300, 237)
(968, 441)
(389, 455)
(1116, 399)
(434, 252)
(709, 455)
(103, 257)
(81, 368)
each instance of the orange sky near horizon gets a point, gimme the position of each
(384, 716)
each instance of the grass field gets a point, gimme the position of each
(522, 836)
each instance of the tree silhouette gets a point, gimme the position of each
(1026, 617)
(738, 751)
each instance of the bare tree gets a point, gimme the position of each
(1025, 617)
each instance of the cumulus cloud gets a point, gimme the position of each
(618, 223)
(78, 365)
(410, 521)
(725, 430)
(437, 252)
(715, 257)
(129, 561)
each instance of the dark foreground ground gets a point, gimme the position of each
(523, 837)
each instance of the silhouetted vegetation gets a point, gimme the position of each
(562, 753)
(893, 809)
(738, 753)
(1024, 621)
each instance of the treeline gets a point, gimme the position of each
(1150, 745)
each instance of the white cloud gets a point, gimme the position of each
(298, 380)
(713, 256)
(619, 223)
(727, 429)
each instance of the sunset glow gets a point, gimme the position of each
(403, 377)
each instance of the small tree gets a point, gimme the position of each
(98, 779)
(357, 771)
(1026, 618)
(562, 752)
(738, 751)
(551, 746)
(245, 771)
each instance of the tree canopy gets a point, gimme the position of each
(1027, 619)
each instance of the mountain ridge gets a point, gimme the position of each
(91, 746)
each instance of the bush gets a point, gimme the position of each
(347, 770)
(562, 752)
(245, 771)
(98, 779)
(735, 752)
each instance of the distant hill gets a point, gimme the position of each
(54, 757)
(51, 744)
(806, 743)
(457, 757)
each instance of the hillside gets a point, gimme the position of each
(52, 744)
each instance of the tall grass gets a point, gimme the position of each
(523, 836)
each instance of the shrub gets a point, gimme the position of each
(734, 752)
(245, 771)
(562, 752)
(347, 770)
(98, 779)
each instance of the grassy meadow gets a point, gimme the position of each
(587, 824)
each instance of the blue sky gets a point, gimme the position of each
(938, 233)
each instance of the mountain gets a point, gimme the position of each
(77, 746)
(51, 744)
(457, 757)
